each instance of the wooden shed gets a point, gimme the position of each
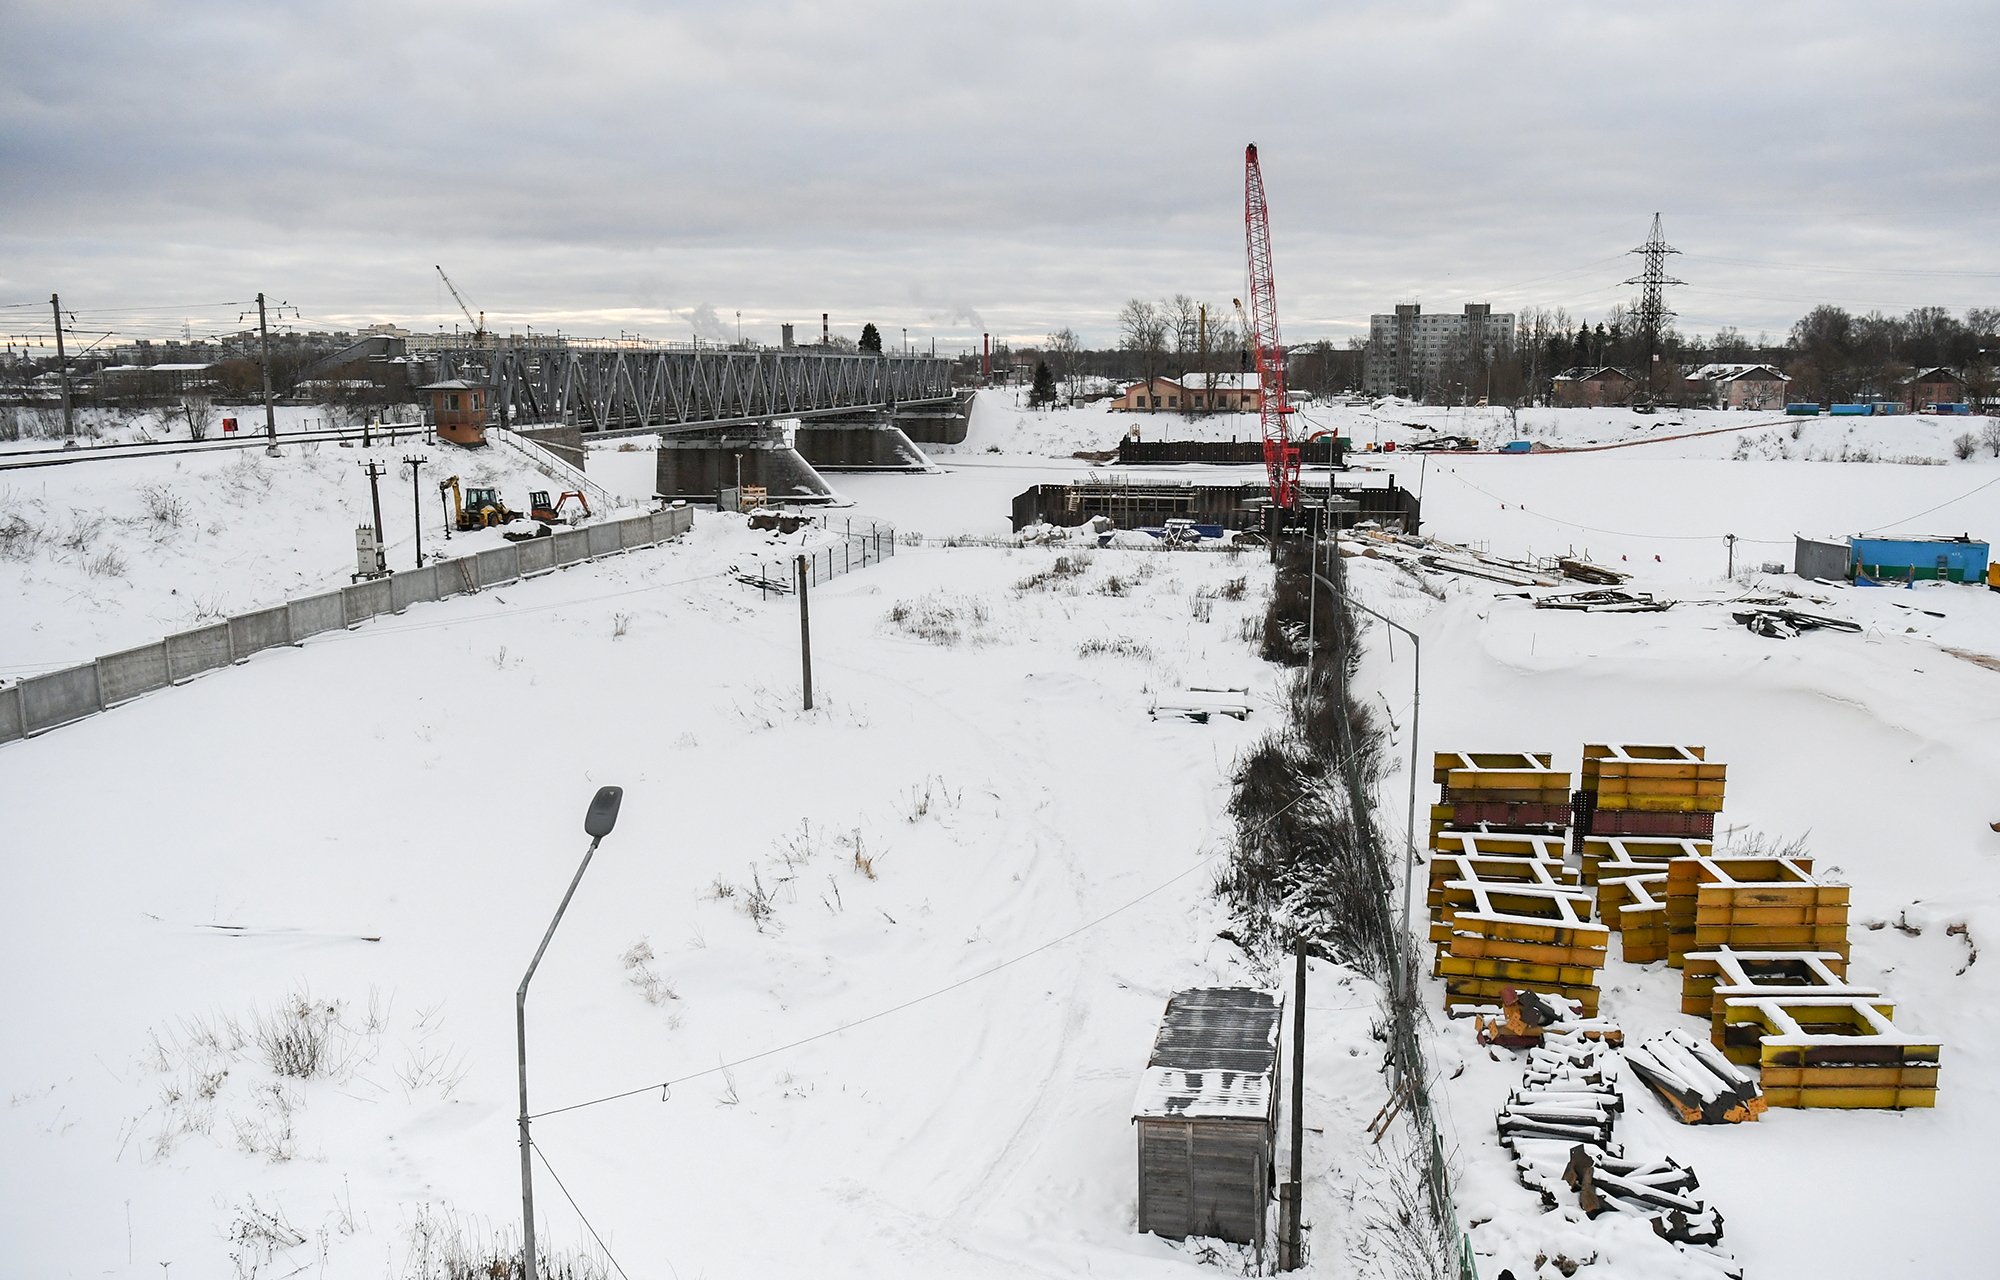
(1207, 1116)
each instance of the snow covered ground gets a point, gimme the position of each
(382, 820)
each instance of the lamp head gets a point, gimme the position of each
(603, 814)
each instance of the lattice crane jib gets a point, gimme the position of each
(1281, 453)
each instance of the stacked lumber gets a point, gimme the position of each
(1648, 790)
(1561, 1127)
(1771, 904)
(1660, 1189)
(1526, 1019)
(1834, 1051)
(1568, 1099)
(1495, 937)
(1506, 789)
(1697, 1083)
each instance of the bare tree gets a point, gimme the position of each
(199, 411)
(1063, 347)
(1143, 332)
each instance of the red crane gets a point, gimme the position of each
(1281, 454)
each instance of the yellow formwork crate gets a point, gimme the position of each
(1522, 973)
(1496, 871)
(1832, 1051)
(1476, 992)
(1729, 901)
(1709, 978)
(1519, 763)
(1502, 844)
(1649, 852)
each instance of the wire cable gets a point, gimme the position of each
(1193, 867)
(579, 1211)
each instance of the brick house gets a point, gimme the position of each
(1937, 385)
(1740, 386)
(1591, 388)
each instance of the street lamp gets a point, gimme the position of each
(597, 824)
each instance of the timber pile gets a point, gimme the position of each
(1835, 1051)
(1697, 1083)
(1514, 790)
(1648, 790)
(1561, 1127)
(1527, 1018)
(1772, 904)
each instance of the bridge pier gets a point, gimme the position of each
(697, 468)
(867, 441)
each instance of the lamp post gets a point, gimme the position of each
(597, 824)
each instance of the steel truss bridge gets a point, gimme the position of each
(637, 389)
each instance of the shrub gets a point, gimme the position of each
(1965, 446)
(942, 618)
(302, 1037)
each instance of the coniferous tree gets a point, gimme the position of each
(871, 339)
(1043, 391)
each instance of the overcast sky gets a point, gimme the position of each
(656, 168)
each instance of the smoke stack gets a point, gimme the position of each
(825, 333)
(986, 358)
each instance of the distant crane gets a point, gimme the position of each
(479, 327)
(1281, 453)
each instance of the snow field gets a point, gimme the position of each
(954, 804)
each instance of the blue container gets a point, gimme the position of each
(1849, 410)
(1802, 410)
(1517, 446)
(1885, 408)
(1951, 408)
(1919, 559)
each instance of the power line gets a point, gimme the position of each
(1197, 865)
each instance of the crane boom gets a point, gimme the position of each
(1281, 454)
(479, 325)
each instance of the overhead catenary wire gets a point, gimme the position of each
(948, 988)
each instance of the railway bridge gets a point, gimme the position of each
(716, 410)
(607, 387)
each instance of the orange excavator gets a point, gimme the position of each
(540, 508)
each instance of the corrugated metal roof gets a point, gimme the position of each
(1215, 1056)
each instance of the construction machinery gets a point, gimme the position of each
(540, 508)
(477, 509)
(479, 327)
(1281, 452)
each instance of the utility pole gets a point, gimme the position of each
(417, 461)
(62, 361)
(805, 630)
(1288, 1195)
(271, 418)
(375, 472)
(1732, 553)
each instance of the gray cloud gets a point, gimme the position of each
(1018, 170)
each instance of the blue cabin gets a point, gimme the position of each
(1918, 559)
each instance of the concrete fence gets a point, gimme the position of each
(43, 702)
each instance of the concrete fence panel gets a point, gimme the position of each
(536, 556)
(497, 565)
(10, 715)
(264, 629)
(455, 577)
(59, 697)
(315, 614)
(572, 545)
(413, 586)
(636, 532)
(192, 652)
(604, 539)
(135, 671)
(364, 600)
